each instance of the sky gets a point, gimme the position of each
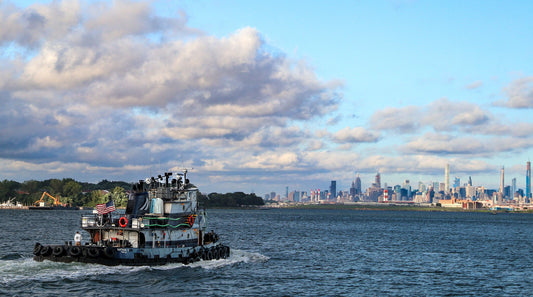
(257, 96)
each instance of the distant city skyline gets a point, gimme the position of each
(513, 185)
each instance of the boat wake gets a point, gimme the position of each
(237, 256)
(26, 269)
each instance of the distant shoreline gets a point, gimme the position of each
(374, 207)
(392, 207)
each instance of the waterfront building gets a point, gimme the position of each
(378, 181)
(355, 190)
(528, 182)
(461, 191)
(501, 180)
(374, 193)
(470, 192)
(513, 188)
(333, 190)
(435, 186)
(407, 187)
(324, 195)
(507, 192)
(456, 183)
(421, 187)
(447, 178)
(398, 192)
(358, 189)
(290, 196)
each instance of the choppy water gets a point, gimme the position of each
(285, 252)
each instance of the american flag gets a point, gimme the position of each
(105, 208)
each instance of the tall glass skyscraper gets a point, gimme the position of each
(528, 181)
(447, 178)
(502, 184)
(333, 190)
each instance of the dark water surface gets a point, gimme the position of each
(286, 252)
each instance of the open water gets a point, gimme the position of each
(288, 252)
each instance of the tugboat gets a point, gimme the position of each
(162, 224)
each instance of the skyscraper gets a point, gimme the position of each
(447, 178)
(456, 183)
(501, 180)
(358, 188)
(528, 181)
(333, 190)
(513, 188)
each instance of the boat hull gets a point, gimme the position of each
(112, 256)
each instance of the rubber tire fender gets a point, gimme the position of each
(93, 252)
(109, 252)
(46, 251)
(223, 253)
(74, 251)
(37, 249)
(58, 251)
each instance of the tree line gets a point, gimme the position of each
(67, 191)
(236, 199)
(75, 193)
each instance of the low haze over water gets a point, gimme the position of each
(291, 252)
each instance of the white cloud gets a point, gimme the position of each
(405, 119)
(354, 135)
(519, 93)
(474, 85)
(108, 84)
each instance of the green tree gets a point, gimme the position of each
(119, 196)
(236, 199)
(71, 189)
(8, 189)
(31, 186)
(96, 197)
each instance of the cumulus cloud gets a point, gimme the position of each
(445, 115)
(32, 26)
(519, 93)
(474, 85)
(110, 88)
(432, 143)
(102, 84)
(402, 119)
(474, 146)
(441, 115)
(354, 135)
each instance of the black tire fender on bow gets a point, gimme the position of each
(37, 249)
(58, 251)
(109, 252)
(74, 251)
(46, 251)
(93, 252)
